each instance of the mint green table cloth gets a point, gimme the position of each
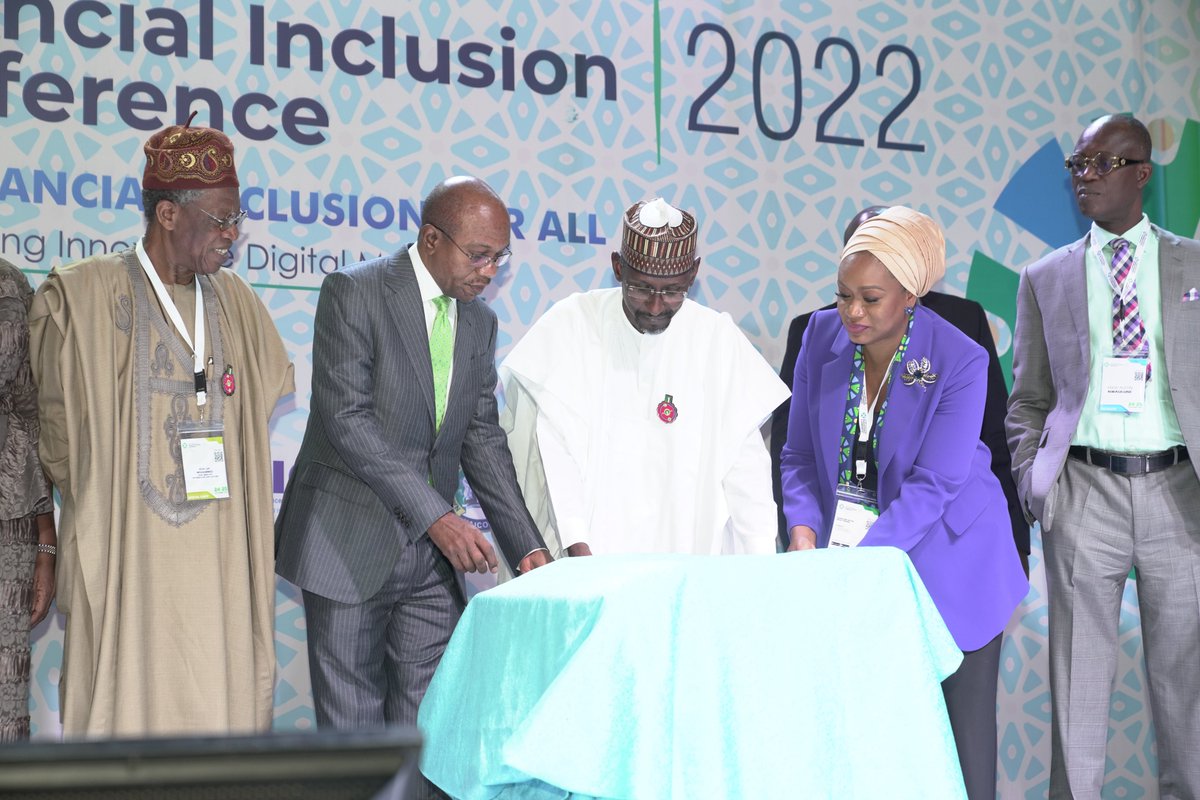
(660, 677)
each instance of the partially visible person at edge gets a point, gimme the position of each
(634, 413)
(875, 456)
(27, 538)
(969, 317)
(1104, 409)
(157, 374)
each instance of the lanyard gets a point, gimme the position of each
(1106, 265)
(866, 414)
(853, 422)
(200, 380)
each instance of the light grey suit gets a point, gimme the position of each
(372, 475)
(1097, 524)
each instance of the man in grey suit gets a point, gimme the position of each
(402, 395)
(1105, 400)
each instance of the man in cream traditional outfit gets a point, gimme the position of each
(633, 413)
(158, 372)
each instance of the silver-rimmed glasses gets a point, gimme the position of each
(232, 221)
(642, 294)
(479, 260)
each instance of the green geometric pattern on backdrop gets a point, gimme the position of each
(994, 286)
(1173, 193)
(1000, 80)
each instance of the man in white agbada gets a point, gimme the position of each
(633, 413)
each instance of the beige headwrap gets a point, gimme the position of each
(908, 243)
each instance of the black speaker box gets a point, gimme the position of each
(328, 765)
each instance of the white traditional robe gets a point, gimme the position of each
(596, 461)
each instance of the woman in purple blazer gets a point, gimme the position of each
(882, 450)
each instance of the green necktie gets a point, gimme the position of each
(441, 350)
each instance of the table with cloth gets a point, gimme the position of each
(804, 675)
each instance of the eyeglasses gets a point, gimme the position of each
(1102, 163)
(233, 220)
(479, 260)
(670, 297)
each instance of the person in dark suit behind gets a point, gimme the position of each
(402, 394)
(969, 317)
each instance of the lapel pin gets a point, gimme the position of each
(667, 411)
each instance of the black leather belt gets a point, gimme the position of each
(1130, 463)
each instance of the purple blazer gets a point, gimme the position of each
(938, 498)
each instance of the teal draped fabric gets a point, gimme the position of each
(805, 675)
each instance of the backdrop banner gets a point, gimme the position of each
(774, 125)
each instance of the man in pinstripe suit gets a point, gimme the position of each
(367, 528)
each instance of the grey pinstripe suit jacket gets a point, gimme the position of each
(1052, 359)
(360, 492)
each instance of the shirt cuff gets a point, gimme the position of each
(517, 568)
(572, 530)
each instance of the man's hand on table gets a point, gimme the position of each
(538, 558)
(579, 549)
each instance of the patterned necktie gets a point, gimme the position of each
(1129, 334)
(441, 350)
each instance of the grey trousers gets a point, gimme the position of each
(371, 662)
(1103, 524)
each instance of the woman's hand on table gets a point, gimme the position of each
(802, 538)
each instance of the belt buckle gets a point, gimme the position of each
(1141, 461)
(1127, 464)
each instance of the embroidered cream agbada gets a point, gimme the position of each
(169, 602)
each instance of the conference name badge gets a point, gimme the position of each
(202, 447)
(1123, 385)
(856, 511)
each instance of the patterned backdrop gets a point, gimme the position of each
(773, 122)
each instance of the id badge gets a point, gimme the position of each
(202, 445)
(1123, 385)
(856, 511)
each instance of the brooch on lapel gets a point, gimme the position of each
(918, 372)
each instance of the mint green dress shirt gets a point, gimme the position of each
(1155, 428)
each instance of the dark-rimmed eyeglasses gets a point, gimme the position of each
(1102, 163)
(478, 260)
(232, 221)
(642, 294)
